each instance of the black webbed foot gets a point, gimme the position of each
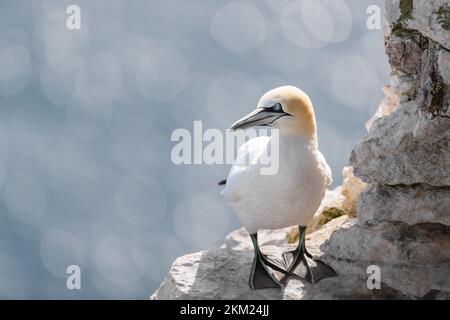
(300, 262)
(261, 277)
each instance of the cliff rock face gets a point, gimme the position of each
(402, 222)
(404, 213)
(411, 145)
(222, 273)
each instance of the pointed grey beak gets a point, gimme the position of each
(258, 117)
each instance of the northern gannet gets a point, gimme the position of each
(289, 197)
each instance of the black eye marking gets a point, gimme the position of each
(277, 107)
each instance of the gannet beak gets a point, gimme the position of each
(258, 117)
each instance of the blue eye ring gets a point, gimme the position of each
(277, 107)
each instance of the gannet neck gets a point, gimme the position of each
(302, 129)
(294, 143)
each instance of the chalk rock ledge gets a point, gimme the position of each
(222, 273)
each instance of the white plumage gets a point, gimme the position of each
(293, 194)
(286, 198)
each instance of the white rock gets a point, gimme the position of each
(427, 20)
(444, 66)
(408, 204)
(393, 243)
(391, 14)
(378, 114)
(403, 213)
(423, 18)
(405, 147)
(223, 273)
(351, 189)
(329, 207)
(414, 260)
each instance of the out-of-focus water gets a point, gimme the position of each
(86, 118)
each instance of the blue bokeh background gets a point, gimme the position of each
(86, 118)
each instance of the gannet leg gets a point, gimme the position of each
(300, 262)
(260, 276)
(288, 257)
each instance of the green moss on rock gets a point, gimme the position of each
(325, 217)
(406, 9)
(330, 214)
(293, 236)
(443, 17)
(438, 98)
(400, 31)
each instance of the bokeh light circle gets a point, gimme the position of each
(336, 148)
(238, 26)
(164, 249)
(281, 54)
(53, 38)
(3, 173)
(342, 19)
(202, 220)
(14, 283)
(314, 24)
(89, 116)
(230, 96)
(100, 76)
(25, 198)
(317, 20)
(15, 66)
(162, 74)
(59, 250)
(58, 78)
(295, 28)
(140, 200)
(354, 81)
(14, 61)
(118, 260)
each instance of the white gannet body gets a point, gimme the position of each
(292, 195)
(289, 196)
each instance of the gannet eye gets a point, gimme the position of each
(277, 107)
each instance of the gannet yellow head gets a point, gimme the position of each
(287, 108)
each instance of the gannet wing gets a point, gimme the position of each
(246, 168)
(323, 166)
